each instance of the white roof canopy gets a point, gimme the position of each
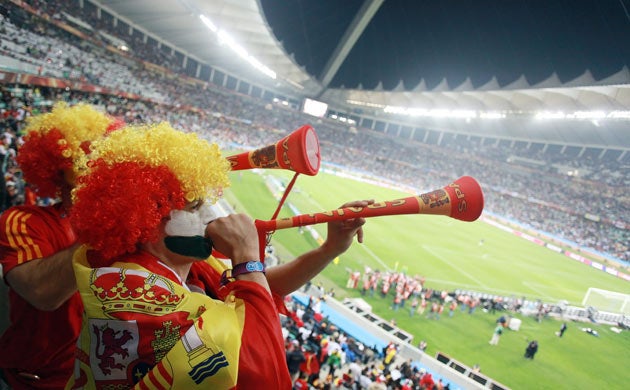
(177, 24)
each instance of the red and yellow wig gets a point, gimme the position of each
(135, 177)
(56, 141)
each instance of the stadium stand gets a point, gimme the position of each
(367, 333)
(590, 212)
(594, 206)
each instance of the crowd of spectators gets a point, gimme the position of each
(592, 211)
(322, 356)
(51, 52)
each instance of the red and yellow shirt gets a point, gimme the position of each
(37, 342)
(143, 328)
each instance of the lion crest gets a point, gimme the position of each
(112, 344)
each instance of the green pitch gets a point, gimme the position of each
(449, 255)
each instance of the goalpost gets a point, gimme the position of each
(609, 301)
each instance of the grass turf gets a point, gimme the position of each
(448, 254)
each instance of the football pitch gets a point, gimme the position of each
(452, 255)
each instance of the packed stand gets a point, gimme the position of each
(553, 203)
(322, 356)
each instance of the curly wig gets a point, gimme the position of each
(56, 141)
(135, 177)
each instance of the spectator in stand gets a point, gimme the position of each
(301, 382)
(426, 381)
(334, 361)
(36, 246)
(346, 229)
(354, 368)
(310, 367)
(13, 196)
(295, 358)
(148, 173)
(364, 380)
(390, 354)
(508, 195)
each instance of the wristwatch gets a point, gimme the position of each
(241, 269)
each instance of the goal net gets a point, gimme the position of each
(608, 301)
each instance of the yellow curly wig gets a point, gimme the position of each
(135, 177)
(198, 165)
(57, 141)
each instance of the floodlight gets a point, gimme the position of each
(229, 41)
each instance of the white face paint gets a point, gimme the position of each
(190, 223)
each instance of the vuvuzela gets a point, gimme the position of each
(462, 199)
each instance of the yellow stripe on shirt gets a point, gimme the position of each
(19, 239)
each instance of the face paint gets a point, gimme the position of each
(206, 213)
(190, 223)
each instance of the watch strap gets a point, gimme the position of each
(241, 269)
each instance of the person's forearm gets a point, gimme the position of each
(288, 277)
(256, 277)
(236, 237)
(45, 283)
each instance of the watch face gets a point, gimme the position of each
(254, 266)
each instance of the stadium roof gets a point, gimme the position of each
(518, 56)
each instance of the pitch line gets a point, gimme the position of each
(550, 287)
(375, 257)
(456, 268)
(363, 246)
(539, 292)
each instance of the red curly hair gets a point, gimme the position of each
(134, 199)
(56, 142)
(43, 161)
(135, 177)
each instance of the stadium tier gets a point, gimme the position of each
(568, 197)
(540, 196)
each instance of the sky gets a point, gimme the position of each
(414, 40)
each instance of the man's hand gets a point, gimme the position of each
(235, 236)
(288, 277)
(340, 234)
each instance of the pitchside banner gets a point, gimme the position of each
(43, 81)
(555, 248)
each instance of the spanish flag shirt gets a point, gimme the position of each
(144, 329)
